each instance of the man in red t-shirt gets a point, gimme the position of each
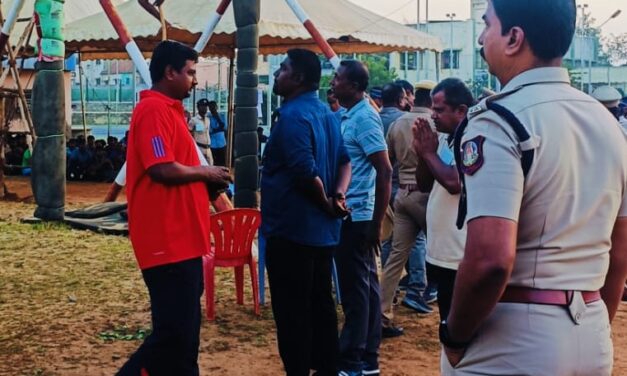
(168, 208)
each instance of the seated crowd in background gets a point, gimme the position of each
(17, 155)
(95, 160)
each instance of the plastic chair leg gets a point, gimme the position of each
(336, 282)
(253, 279)
(239, 284)
(261, 263)
(209, 270)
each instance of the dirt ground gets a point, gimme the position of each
(73, 303)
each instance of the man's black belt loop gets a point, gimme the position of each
(526, 159)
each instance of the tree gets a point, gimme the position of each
(615, 46)
(377, 65)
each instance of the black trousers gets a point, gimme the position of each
(303, 306)
(361, 299)
(445, 279)
(219, 156)
(172, 347)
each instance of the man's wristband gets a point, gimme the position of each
(446, 340)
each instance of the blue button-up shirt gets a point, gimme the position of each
(363, 136)
(305, 142)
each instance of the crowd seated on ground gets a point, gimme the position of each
(86, 158)
(17, 155)
(94, 160)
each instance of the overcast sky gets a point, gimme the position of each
(404, 11)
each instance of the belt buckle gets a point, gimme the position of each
(576, 306)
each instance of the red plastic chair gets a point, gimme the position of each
(233, 232)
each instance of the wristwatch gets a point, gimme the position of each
(446, 340)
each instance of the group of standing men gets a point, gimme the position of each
(530, 265)
(502, 190)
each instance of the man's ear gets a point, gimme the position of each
(516, 41)
(298, 77)
(462, 110)
(168, 74)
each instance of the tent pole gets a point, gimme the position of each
(14, 13)
(18, 46)
(230, 109)
(211, 25)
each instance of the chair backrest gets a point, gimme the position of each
(233, 232)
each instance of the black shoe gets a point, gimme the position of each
(418, 305)
(391, 331)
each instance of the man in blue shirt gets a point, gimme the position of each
(368, 197)
(217, 133)
(306, 172)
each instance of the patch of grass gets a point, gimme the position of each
(124, 333)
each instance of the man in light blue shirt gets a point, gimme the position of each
(367, 197)
(217, 133)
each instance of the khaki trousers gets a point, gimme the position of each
(410, 217)
(538, 340)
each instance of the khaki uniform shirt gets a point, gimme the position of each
(399, 140)
(567, 205)
(200, 128)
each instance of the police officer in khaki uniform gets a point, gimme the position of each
(546, 251)
(200, 127)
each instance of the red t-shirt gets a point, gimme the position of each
(167, 223)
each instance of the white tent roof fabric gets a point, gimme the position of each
(348, 28)
(73, 10)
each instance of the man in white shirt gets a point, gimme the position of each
(199, 126)
(436, 173)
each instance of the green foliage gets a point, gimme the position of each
(380, 74)
(377, 65)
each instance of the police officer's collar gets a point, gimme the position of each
(530, 77)
(538, 76)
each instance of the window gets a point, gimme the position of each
(447, 62)
(410, 57)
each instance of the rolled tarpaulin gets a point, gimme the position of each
(245, 128)
(48, 108)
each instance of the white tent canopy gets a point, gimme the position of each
(348, 28)
(73, 10)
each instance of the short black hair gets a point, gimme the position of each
(549, 26)
(456, 93)
(306, 63)
(405, 85)
(391, 93)
(172, 53)
(422, 98)
(356, 72)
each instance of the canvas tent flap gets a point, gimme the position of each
(348, 27)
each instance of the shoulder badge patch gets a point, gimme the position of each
(472, 155)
